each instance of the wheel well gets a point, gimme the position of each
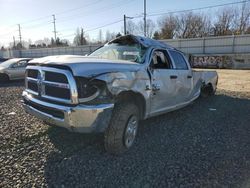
(207, 89)
(136, 98)
(4, 77)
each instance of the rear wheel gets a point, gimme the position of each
(207, 90)
(121, 132)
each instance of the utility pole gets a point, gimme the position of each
(54, 22)
(20, 35)
(124, 20)
(14, 42)
(145, 24)
(125, 23)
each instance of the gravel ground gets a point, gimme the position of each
(206, 144)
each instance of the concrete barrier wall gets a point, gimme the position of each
(41, 52)
(236, 44)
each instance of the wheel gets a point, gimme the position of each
(207, 90)
(121, 132)
(4, 78)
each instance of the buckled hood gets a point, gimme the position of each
(86, 66)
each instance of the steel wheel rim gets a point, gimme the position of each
(131, 131)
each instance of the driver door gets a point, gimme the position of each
(164, 79)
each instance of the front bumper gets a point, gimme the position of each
(80, 118)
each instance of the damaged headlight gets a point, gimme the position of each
(93, 90)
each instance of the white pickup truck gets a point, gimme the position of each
(128, 79)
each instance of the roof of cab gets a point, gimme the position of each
(144, 41)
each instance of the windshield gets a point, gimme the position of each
(8, 63)
(114, 51)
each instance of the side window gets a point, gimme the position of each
(22, 63)
(179, 60)
(160, 60)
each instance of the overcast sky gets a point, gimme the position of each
(35, 16)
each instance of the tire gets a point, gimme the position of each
(4, 78)
(207, 90)
(122, 128)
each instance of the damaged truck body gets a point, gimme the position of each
(109, 91)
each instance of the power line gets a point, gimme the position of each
(35, 20)
(74, 9)
(97, 11)
(92, 29)
(63, 12)
(171, 12)
(200, 8)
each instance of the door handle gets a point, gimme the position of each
(189, 76)
(173, 76)
(156, 87)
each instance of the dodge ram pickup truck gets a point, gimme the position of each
(130, 78)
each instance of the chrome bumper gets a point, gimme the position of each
(80, 118)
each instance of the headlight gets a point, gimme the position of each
(88, 90)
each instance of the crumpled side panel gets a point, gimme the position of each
(137, 82)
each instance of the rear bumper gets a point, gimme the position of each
(80, 118)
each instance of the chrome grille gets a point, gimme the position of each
(51, 83)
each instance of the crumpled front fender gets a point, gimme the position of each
(126, 81)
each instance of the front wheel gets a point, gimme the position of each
(121, 132)
(4, 78)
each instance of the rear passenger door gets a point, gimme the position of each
(184, 83)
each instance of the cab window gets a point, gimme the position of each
(160, 60)
(179, 60)
(20, 64)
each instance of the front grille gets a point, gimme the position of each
(52, 84)
(55, 77)
(57, 92)
(33, 86)
(32, 73)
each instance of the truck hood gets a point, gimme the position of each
(87, 66)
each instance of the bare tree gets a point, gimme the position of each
(150, 28)
(168, 27)
(241, 19)
(80, 37)
(248, 30)
(131, 27)
(109, 36)
(224, 22)
(156, 35)
(187, 25)
(192, 25)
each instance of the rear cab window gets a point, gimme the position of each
(179, 61)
